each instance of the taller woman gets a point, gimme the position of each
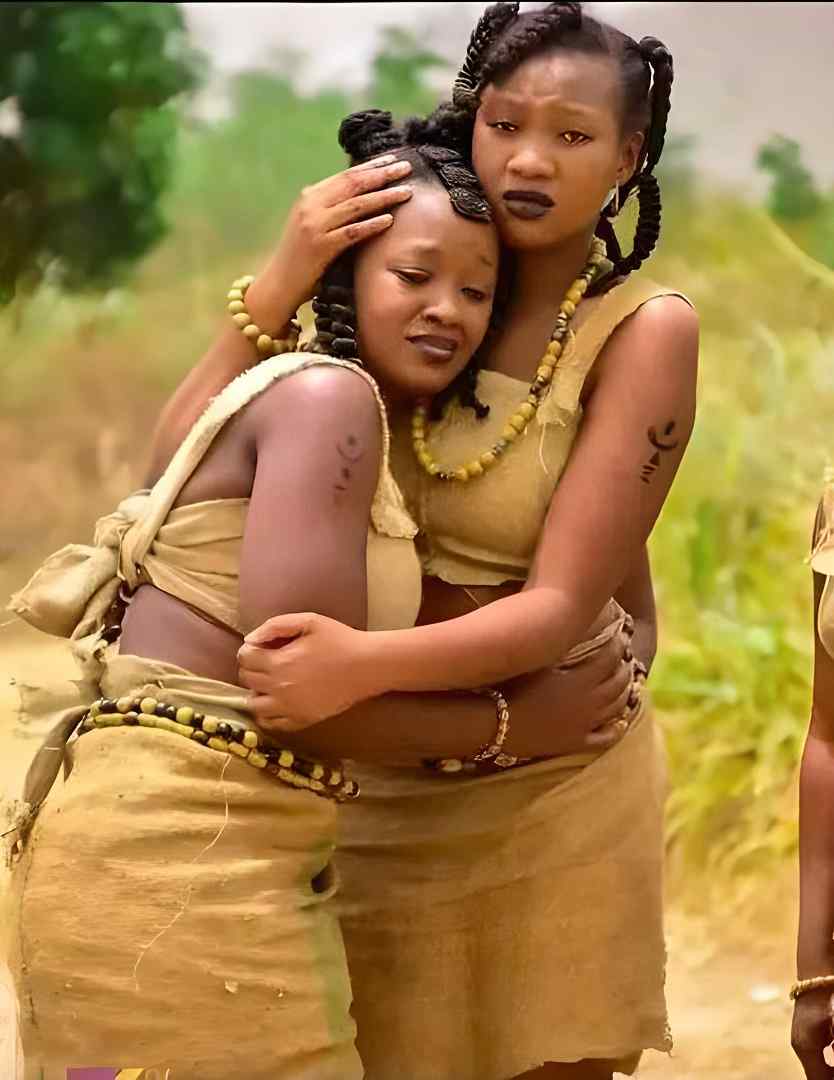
(511, 924)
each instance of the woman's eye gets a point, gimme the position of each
(504, 125)
(475, 294)
(573, 138)
(412, 277)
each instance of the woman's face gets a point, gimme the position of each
(548, 147)
(424, 292)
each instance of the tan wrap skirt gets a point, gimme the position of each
(498, 922)
(173, 908)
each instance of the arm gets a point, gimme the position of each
(307, 521)
(558, 711)
(815, 948)
(328, 218)
(599, 520)
(636, 596)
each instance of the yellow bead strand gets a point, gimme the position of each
(518, 421)
(265, 344)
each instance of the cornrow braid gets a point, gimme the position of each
(468, 82)
(364, 135)
(503, 40)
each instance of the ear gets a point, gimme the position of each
(630, 156)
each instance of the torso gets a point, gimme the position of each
(163, 627)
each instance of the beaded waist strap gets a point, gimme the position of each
(225, 736)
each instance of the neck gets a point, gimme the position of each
(543, 277)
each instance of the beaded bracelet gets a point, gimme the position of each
(493, 752)
(266, 344)
(804, 986)
(222, 735)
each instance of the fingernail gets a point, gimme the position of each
(401, 168)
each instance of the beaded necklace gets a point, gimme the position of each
(518, 421)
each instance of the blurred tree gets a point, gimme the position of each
(87, 145)
(398, 73)
(793, 195)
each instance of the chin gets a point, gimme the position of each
(527, 235)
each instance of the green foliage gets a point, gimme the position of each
(793, 195)
(731, 682)
(93, 87)
(398, 73)
(238, 177)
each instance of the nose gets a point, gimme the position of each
(443, 308)
(529, 163)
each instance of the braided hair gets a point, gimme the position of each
(365, 135)
(504, 39)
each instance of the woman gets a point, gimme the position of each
(464, 896)
(200, 885)
(813, 1036)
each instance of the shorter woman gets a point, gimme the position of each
(813, 1035)
(174, 897)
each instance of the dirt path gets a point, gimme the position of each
(726, 983)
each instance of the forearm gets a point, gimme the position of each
(505, 639)
(270, 303)
(406, 729)
(815, 951)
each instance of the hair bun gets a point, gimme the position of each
(447, 128)
(655, 52)
(569, 14)
(365, 134)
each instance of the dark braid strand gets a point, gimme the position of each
(490, 25)
(646, 71)
(434, 159)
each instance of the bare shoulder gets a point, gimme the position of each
(317, 397)
(658, 340)
(663, 321)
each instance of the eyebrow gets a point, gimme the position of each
(430, 247)
(573, 108)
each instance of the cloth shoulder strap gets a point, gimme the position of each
(585, 345)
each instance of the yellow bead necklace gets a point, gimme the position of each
(518, 421)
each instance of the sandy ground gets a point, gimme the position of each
(728, 972)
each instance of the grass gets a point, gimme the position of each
(82, 381)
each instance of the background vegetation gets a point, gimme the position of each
(83, 373)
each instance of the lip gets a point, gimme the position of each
(434, 346)
(528, 205)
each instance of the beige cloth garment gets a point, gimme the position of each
(173, 904)
(192, 552)
(495, 923)
(173, 908)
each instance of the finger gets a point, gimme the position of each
(349, 184)
(611, 698)
(270, 714)
(357, 231)
(260, 682)
(606, 737)
(364, 206)
(256, 658)
(275, 724)
(374, 163)
(280, 627)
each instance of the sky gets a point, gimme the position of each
(743, 71)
